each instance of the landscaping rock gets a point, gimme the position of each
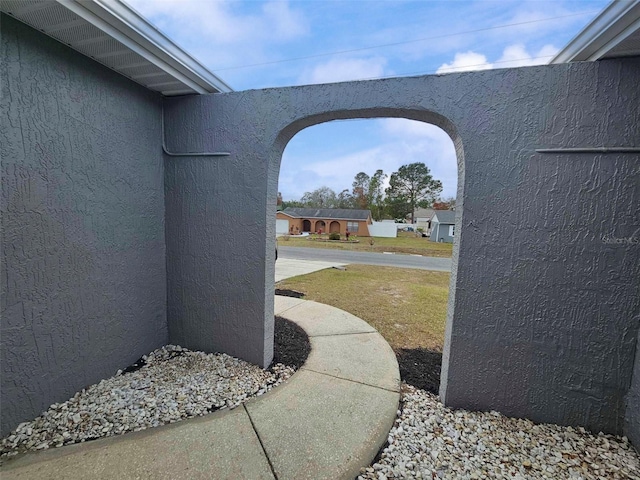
(168, 385)
(431, 441)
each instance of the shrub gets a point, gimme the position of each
(334, 236)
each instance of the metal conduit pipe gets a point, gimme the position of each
(590, 150)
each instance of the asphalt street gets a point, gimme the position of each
(366, 258)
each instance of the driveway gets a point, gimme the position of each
(288, 267)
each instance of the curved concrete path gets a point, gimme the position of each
(326, 422)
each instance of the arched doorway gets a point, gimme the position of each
(425, 116)
(306, 226)
(506, 159)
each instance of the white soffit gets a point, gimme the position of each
(112, 33)
(615, 32)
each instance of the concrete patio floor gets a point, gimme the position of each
(329, 420)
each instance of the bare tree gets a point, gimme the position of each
(360, 190)
(322, 197)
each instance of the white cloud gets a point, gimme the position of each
(350, 164)
(512, 56)
(337, 172)
(344, 69)
(397, 142)
(548, 51)
(285, 23)
(408, 129)
(464, 61)
(225, 33)
(221, 21)
(517, 56)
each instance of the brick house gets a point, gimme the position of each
(327, 220)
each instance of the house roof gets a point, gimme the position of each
(423, 213)
(614, 32)
(114, 34)
(327, 213)
(445, 216)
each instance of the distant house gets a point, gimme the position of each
(422, 218)
(327, 220)
(443, 225)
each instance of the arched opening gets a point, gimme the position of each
(446, 302)
(334, 227)
(321, 227)
(306, 226)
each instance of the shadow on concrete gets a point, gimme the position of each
(289, 293)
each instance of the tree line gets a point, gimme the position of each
(411, 187)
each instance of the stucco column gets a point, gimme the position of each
(220, 211)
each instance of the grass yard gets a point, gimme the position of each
(408, 307)
(406, 242)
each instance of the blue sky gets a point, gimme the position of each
(256, 44)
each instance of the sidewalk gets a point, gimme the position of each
(329, 420)
(287, 268)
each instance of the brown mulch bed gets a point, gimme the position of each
(420, 367)
(291, 343)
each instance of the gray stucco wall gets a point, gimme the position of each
(632, 417)
(83, 255)
(543, 314)
(217, 297)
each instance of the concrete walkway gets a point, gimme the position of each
(326, 422)
(287, 268)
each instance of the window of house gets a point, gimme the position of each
(352, 227)
(452, 229)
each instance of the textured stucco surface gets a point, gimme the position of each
(632, 417)
(543, 313)
(83, 251)
(217, 296)
(544, 307)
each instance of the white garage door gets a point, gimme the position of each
(282, 227)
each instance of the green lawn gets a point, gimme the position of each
(406, 242)
(408, 307)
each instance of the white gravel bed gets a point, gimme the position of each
(430, 441)
(174, 384)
